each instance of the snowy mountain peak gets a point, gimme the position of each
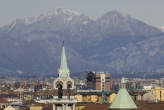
(59, 11)
(115, 13)
(30, 20)
(162, 28)
(115, 18)
(51, 14)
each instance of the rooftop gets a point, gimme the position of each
(141, 106)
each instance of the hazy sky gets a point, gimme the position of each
(149, 11)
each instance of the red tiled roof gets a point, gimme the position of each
(3, 100)
(150, 106)
(141, 106)
(97, 107)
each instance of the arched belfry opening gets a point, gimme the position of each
(60, 91)
(69, 86)
(59, 86)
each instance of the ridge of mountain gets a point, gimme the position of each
(115, 42)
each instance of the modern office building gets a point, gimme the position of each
(98, 81)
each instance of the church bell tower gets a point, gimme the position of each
(64, 88)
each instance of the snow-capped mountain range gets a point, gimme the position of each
(115, 42)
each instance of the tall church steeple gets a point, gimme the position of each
(64, 88)
(63, 70)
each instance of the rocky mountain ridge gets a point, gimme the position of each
(115, 43)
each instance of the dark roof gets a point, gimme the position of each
(150, 106)
(96, 107)
(2, 100)
(141, 106)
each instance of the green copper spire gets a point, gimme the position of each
(63, 71)
(123, 101)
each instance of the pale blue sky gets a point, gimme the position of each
(149, 11)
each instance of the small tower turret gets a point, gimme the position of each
(123, 82)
